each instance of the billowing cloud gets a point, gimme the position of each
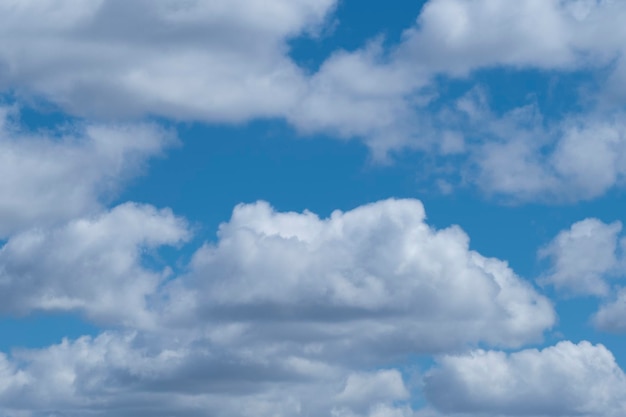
(47, 178)
(91, 265)
(377, 277)
(563, 380)
(289, 314)
(583, 257)
(279, 317)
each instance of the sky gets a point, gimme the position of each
(316, 208)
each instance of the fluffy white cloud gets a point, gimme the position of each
(583, 257)
(92, 265)
(377, 277)
(280, 317)
(521, 157)
(458, 36)
(563, 380)
(225, 61)
(47, 178)
(228, 61)
(583, 260)
(196, 59)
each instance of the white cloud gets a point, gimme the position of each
(224, 61)
(228, 61)
(522, 158)
(382, 95)
(363, 94)
(50, 177)
(583, 257)
(584, 260)
(611, 316)
(377, 277)
(457, 36)
(282, 316)
(196, 59)
(563, 380)
(91, 265)
(148, 375)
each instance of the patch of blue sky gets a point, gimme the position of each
(39, 330)
(351, 26)
(554, 94)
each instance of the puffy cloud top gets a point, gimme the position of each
(563, 380)
(380, 265)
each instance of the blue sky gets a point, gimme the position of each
(312, 208)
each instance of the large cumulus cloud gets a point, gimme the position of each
(284, 314)
(378, 267)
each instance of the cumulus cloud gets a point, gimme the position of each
(563, 380)
(459, 36)
(585, 260)
(583, 257)
(198, 59)
(384, 96)
(224, 61)
(279, 317)
(50, 177)
(377, 277)
(91, 265)
(145, 375)
(521, 157)
(290, 314)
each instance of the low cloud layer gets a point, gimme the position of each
(283, 303)
(563, 380)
